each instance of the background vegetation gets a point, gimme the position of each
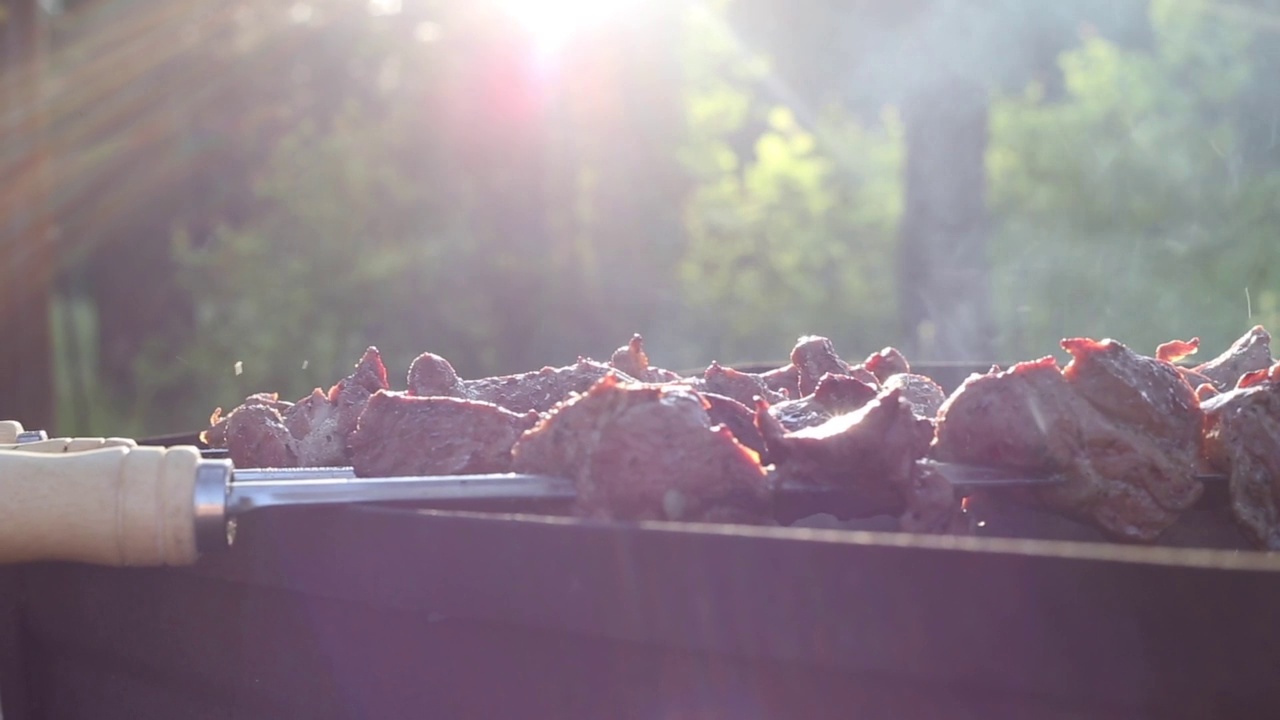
(272, 186)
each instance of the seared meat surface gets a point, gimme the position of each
(1242, 439)
(839, 394)
(401, 434)
(1126, 432)
(785, 380)
(322, 424)
(1144, 394)
(264, 432)
(925, 396)
(216, 435)
(256, 436)
(814, 357)
(834, 395)
(1121, 428)
(432, 376)
(738, 418)
(540, 390)
(886, 363)
(1175, 350)
(741, 386)
(632, 360)
(1252, 352)
(872, 451)
(644, 452)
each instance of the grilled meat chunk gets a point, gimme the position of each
(794, 415)
(1194, 379)
(925, 396)
(1242, 439)
(826, 385)
(216, 435)
(1204, 391)
(834, 395)
(784, 380)
(886, 363)
(540, 390)
(322, 424)
(1250, 353)
(632, 360)
(1176, 350)
(1022, 418)
(432, 376)
(257, 437)
(645, 452)
(1145, 395)
(738, 418)
(813, 357)
(401, 434)
(872, 450)
(741, 386)
(839, 394)
(1121, 428)
(319, 429)
(314, 431)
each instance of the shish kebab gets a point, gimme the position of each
(108, 501)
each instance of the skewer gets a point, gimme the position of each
(124, 504)
(137, 505)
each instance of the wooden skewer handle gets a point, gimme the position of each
(66, 445)
(9, 431)
(120, 506)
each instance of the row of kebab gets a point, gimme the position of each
(1129, 435)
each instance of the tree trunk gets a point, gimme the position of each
(26, 253)
(944, 272)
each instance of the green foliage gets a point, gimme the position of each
(265, 291)
(430, 201)
(416, 218)
(1125, 210)
(793, 238)
(86, 407)
(349, 252)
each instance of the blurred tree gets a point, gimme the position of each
(162, 113)
(27, 254)
(762, 268)
(394, 180)
(937, 60)
(338, 177)
(356, 236)
(1145, 205)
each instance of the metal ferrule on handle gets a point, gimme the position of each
(213, 528)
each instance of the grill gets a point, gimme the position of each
(376, 612)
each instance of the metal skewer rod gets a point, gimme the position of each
(129, 505)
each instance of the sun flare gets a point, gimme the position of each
(553, 23)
